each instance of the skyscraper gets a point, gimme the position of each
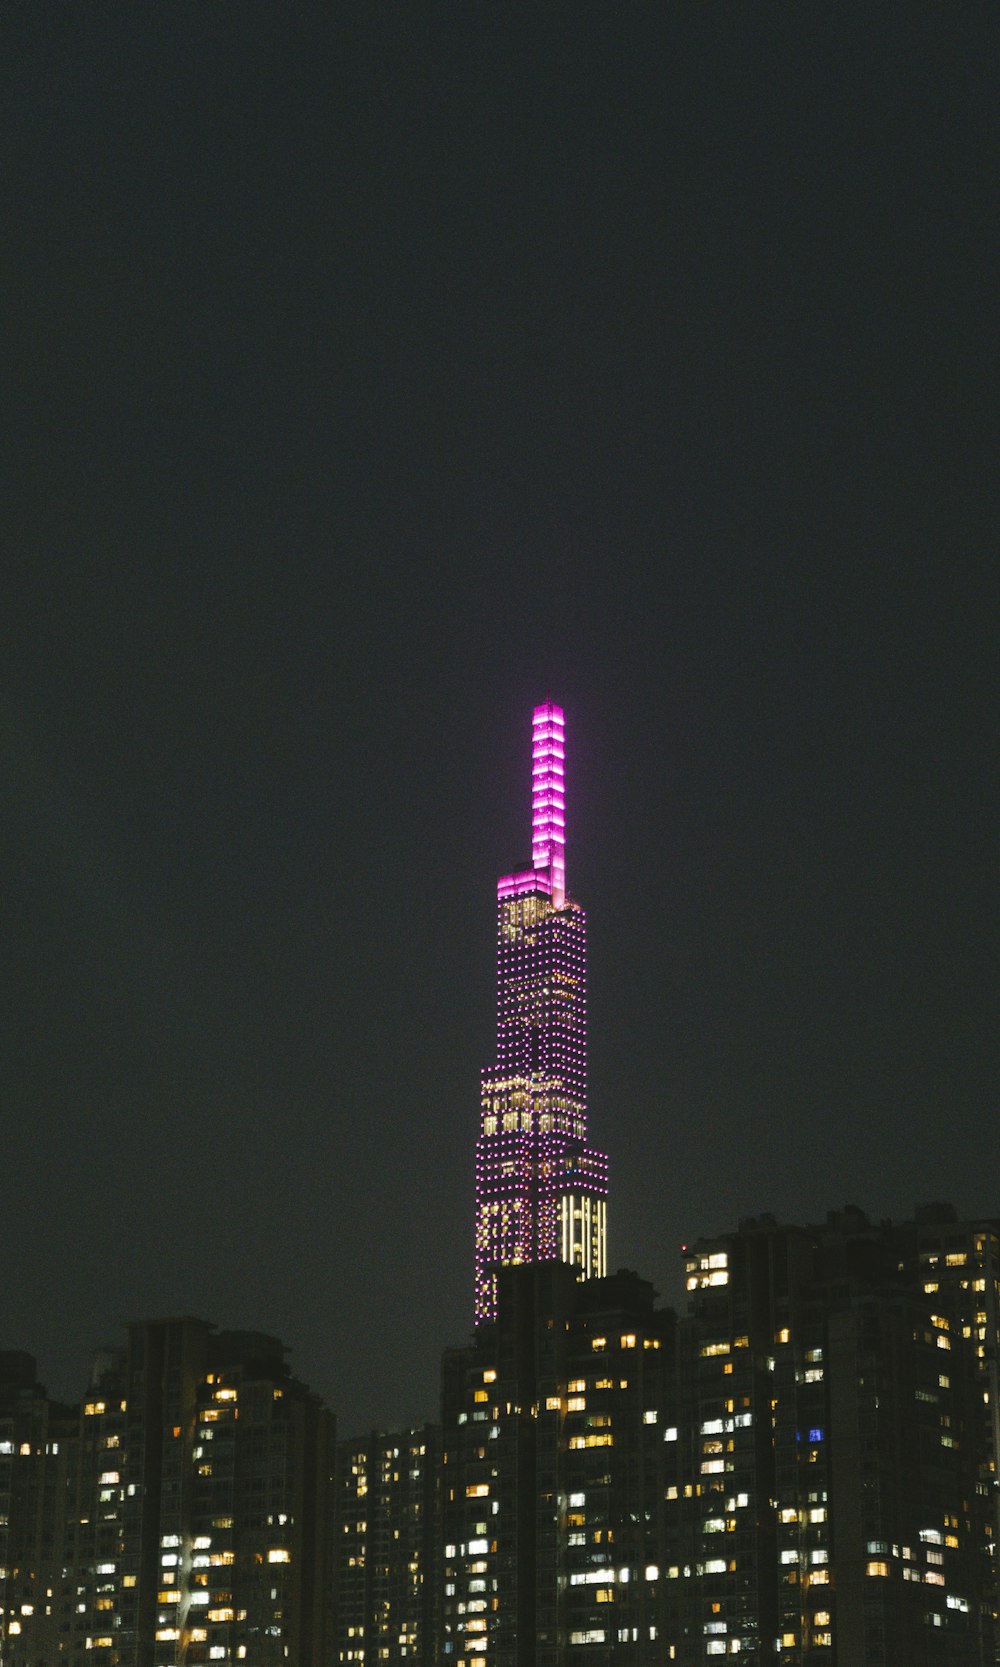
(553, 1456)
(798, 1471)
(540, 1189)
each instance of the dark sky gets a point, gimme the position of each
(371, 373)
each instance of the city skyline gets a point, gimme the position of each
(801, 1464)
(367, 382)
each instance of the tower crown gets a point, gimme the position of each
(548, 811)
(548, 796)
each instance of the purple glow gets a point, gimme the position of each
(548, 802)
(515, 885)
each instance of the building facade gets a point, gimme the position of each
(385, 1566)
(826, 1503)
(37, 1462)
(541, 1191)
(181, 1514)
(552, 1475)
(801, 1469)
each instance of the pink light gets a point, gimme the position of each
(548, 828)
(515, 885)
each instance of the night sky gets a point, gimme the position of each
(371, 373)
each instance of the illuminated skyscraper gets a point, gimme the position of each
(540, 1190)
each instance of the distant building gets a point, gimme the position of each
(801, 1470)
(36, 1466)
(100, 1594)
(825, 1505)
(957, 1264)
(228, 1494)
(385, 1554)
(553, 1454)
(541, 1191)
(181, 1514)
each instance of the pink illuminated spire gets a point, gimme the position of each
(548, 797)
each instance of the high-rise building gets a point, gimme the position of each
(98, 1597)
(829, 1501)
(36, 1463)
(801, 1470)
(541, 1191)
(553, 1427)
(227, 1472)
(179, 1516)
(385, 1570)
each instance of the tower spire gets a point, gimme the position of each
(548, 796)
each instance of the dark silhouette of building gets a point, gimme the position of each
(826, 1503)
(36, 1467)
(228, 1495)
(552, 1448)
(180, 1515)
(802, 1469)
